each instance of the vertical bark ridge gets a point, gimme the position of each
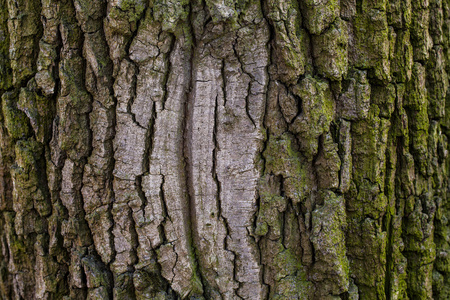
(25, 206)
(97, 177)
(6, 158)
(216, 262)
(169, 146)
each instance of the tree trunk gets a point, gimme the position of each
(224, 149)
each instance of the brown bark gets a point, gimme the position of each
(224, 149)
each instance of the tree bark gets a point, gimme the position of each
(175, 149)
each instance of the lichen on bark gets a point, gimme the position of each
(176, 149)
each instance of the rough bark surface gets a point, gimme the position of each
(176, 149)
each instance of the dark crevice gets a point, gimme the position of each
(247, 101)
(136, 31)
(164, 203)
(251, 79)
(220, 216)
(167, 72)
(224, 79)
(192, 233)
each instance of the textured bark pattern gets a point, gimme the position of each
(176, 149)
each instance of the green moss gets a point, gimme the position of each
(420, 36)
(290, 40)
(319, 15)
(396, 264)
(18, 248)
(367, 202)
(328, 164)
(31, 187)
(437, 83)
(416, 105)
(39, 111)
(24, 39)
(330, 51)
(28, 152)
(223, 10)
(317, 114)
(16, 121)
(262, 228)
(170, 13)
(369, 146)
(123, 286)
(399, 14)
(277, 224)
(354, 99)
(130, 11)
(270, 209)
(73, 106)
(196, 286)
(400, 126)
(293, 287)
(96, 273)
(402, 60)
(384, 97)
(290, 277)
(416, 97)
(149, 285)
(372, 53)
(283, 159)
(366, 246)
(5, 69)
(331, 267)
(133, 8)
